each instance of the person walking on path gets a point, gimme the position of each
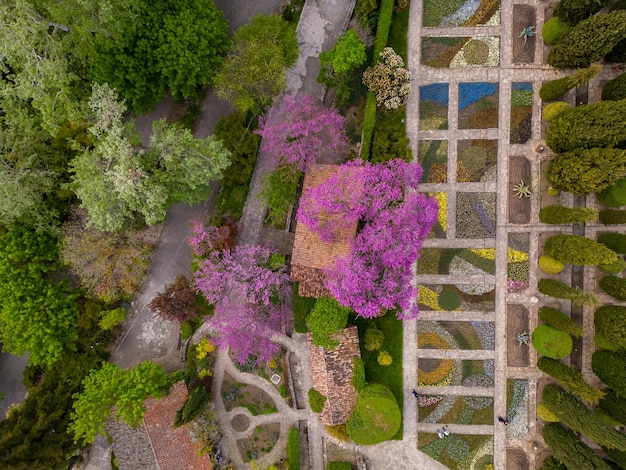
(415, 394)
(503, 421)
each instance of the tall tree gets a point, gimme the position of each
(254, 70)
(395, 219)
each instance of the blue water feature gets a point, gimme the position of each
(471, 92)
(437, 92)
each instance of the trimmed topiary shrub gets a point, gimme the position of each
(560, 290)
(615, 90)
(571, 379)
(589, 41)
(614, 195)
(358, 379)
(574, 414)
(449, 300)
(550, 265)
(614, 241)
(557, 319)
(293, 449)
(584, 171)
(570, 450)
(328, 318)
(613, 268)
(575, 11)
(553, 30)
(376, 416)
(610, 367)
(374, 338)
(588, 126)
(610, 320)
(601, 342)
(554, 89)
(612, 217)
(614, 406)
(566, 215)
(578, 250)
(551, 342)
(316, 400)
(545, 414)
(615, 287)
(552, 110)
(384, 358)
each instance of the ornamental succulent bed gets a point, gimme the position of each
(517, 408)
(466, 335)
(461, 52)
(433, 156)
(476, 160)
(475, 215)
(461, 13)
(518, 265)
(454, 409)
(441, 227)
(434, 106)
(521, 112)
(478, 105)
(459, 451)
(456, 261)
(236, 394)
(451, 297)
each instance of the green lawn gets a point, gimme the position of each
(398, 33)
(301, 308)
(375, 373)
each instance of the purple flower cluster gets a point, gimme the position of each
(513, 285)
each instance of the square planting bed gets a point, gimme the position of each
(478, 105)
(433, 107)
(433, 156)
(461, 52)
(466, 335)
(521, 112)
(447, 409)
(458, 451)
(449, 13)
(475, 215)
(456, 261)
(476, 161)
(462, 297)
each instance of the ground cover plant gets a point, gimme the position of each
(459, 13)
(433, 157)
(459, 451)
(521, 112)
(433, 106)
(467, 335)
(476, 160)
(516, 408)
(478, 105)
(260, 443)
(454, 409)
(449, 297)
(461, 52)
(475, 215)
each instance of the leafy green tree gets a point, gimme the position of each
(327, 318)
(557, 319)
(578, 250)
(614, 241)
(583, 171)
(254, 70)
(316, 400)
(570, 450)
(610, 367)
(589, 126)
(589, 41)
(339, 63)
(109, 386)
(37, 314)
(551, 342)
(575, 11)
(610, 320)
(571, 379)
(116, 180)
(615, 90)
(376, 416)
(573, 413)
(560, 290)
(554, 89)
(566, 215)
(279, 188)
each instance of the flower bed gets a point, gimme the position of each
(241, 395)
(455, 409)
(476, 215)
(454, 261)
(517, 264)
(479, 51)
(476, 160)
(521, 112)
(459, 451)
(440, 228)
(478, 105)
(442, 297)
(434, 106)
(517, 408)
(433, 157)
(467, 335)
(448, 13)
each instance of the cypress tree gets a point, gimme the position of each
(570, 378)
(571, 451)
(610, 367)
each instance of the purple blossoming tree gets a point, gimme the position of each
(298, 131)
(395, 220)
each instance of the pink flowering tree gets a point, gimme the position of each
(249, 287)
(395, 219)
(296, 131)
(203, 239)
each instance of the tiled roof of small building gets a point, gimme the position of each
(310, 253)
(173, 447)
(332, 376)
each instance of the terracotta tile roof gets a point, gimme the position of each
(332, 376)
(310, 253)
(173, 447)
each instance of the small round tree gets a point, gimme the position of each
(551, 342)
(560, 321)
(550, 265)
(376, 416)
